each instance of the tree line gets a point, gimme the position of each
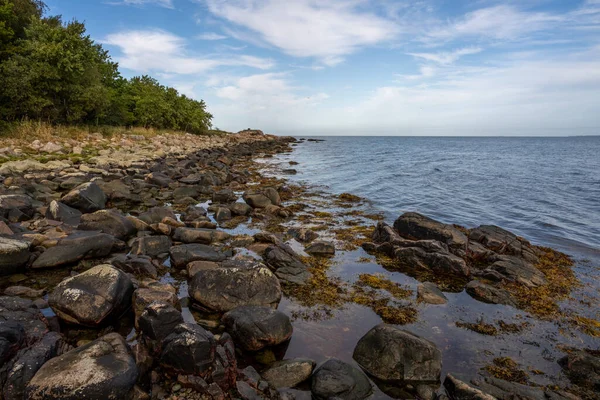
(51, 70)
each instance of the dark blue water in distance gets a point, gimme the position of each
(545, 189)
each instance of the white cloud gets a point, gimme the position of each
(162, 3)
(446, 58)
(326, 30)
(159, 51)
(211, 36)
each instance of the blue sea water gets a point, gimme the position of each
(545, 189)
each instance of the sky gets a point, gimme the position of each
(365, 67)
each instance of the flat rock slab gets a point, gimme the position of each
(75, 248)
(102, 369)
(183, 254)
(289, 373)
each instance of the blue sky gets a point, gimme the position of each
(370, 67)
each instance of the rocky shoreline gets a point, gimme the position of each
(137, 267)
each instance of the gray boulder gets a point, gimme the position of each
(459, 390)
(439, 261)
(87, 198)
(156, 215)
(58, 211)
(321, 248)
(189, 350)
(289, 373)
(287, 265)
(102, 369)
(151, 246)
(183, 254)
(515, 269)
(256, 327)
(14, 254)
(16, 207)
(396, 356)
(108, 221)
(502, 241)
(415, 226)
(74, 248)
(158, 320)
(489, 294)
(90, 298)
(339, 380)
(198, 235)
(429, 293)
(224, 289)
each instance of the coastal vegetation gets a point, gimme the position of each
(51, 71)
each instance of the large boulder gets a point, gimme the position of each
(439, 261)
(502, 241)
(416, 226)
(74, 248)
(262, 198)
(151, 245)
(93, 296)
(19, 315)
(256, 327)
(286, 264)
(183, 254)
(515, 269)
(203, 236)
(143, 297)
(395, 355)
(87, 198)
(158, 320)
(14, 254)
(58, 211)
(16, 207)
(108, 221)
(321, 248)
(189, 350)
(289, 373)
(102, 369)
(224, 289)
(28, 362)
(337, 379)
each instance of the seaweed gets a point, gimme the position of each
(507, 369)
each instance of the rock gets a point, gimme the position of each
(189, 350)
(183, 254)
(28, 363)
(583, 369)
(489, 294)
(138, 265)
(287, 265)
(502, 241)
(151, 245)
(5, 229)
(394, 355)
(223, 214)
(438, 261)
(156, 215)
(517, 270)
(74, 248)
(102, 369)
(240, 209)
(14, 254)
(92, 297)
(262, 198)
(51, 148)
(16, 203)
(289, 373)
(256, 327)
(87, 198)
(459, 390)
(143, 297)
(22, 291)
(416, 226)
(22, 166)
(58, 211)
(158, 179)
(108, 221)
(428, 292)
(224, 289)
(303, 235)
(224, 196)
(203, 236)
(19, 315)
(158, 320)
(339, 380)
(12, 338)
(321, 248)
(195, 266)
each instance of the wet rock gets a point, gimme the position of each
(583, 369)
(158, 320)
(87, 198)
(287, 265)
(412, 225)
(502, 241)
(15, 312)
(102, 369)
(195, 266)
(74, 248)
(459, 390)
(262, 198)
(501, 389)
(5, 229)
(224, 196)
(224, 289)
(12, 338)
(395, 355)
(321, 248)
(428, 292)
(189, 350)
(439, 261)
(16, 204)
(151, 245)
(183, 254)
(517, 270)
(138, 265)
(303, 235)
(93, 296)
(143, 297)
(28, 363)
(156, 215)
(337, 379)
(256, 327)
(240, 209)
(203, 236)
(158, 179)
(489, 294)
(223, 214)
(289, 373)
(14, 254)
(108, 221)
(23, 291)
(58, 211)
